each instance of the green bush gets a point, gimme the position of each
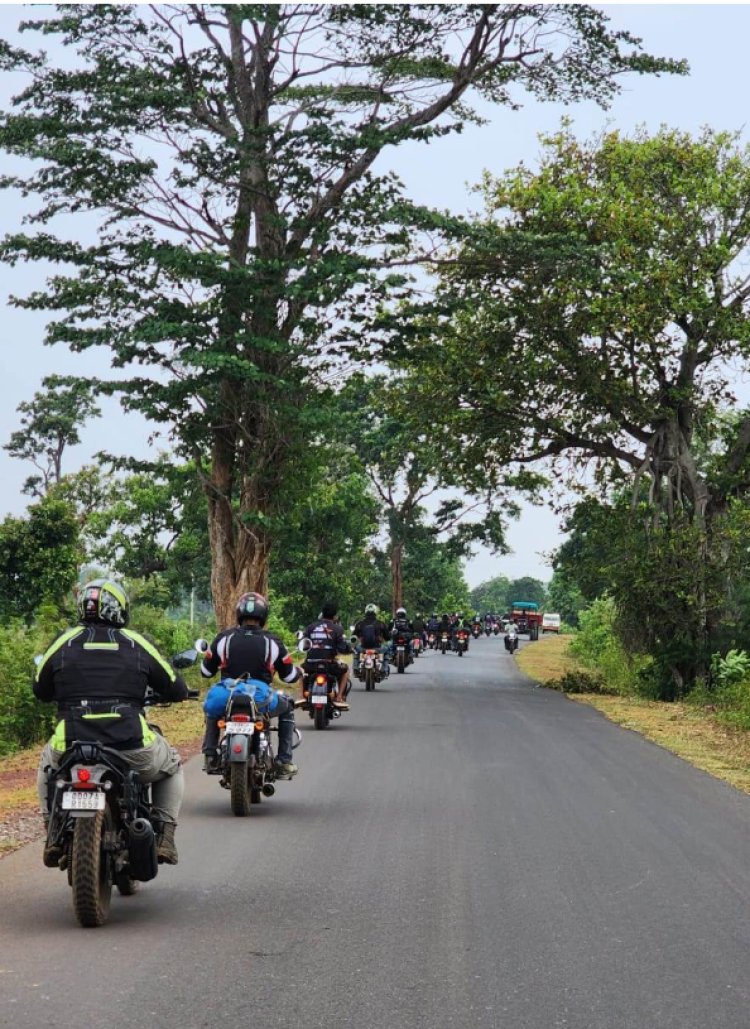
(23, 720)
(598, 648)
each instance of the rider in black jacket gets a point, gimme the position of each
(98, 673)
(372, 634)
(327, 638)
(248, 650)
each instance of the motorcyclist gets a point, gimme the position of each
(433, 623)
(372, 635)
(327, 638)
(250, 650)
(401, 626)
(418, 626)
(107, 669)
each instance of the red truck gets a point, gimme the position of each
(528, 617)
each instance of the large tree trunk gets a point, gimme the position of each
(397, 583)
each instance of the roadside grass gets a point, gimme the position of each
(694, 734)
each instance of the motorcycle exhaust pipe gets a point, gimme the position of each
(142, 850)
(268, 789)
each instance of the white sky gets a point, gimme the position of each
(712, 37)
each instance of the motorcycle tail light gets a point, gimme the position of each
(84, 775)
(320, 680)
(240, 718)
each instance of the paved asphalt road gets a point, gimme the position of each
(461, 850)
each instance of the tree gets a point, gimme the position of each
(408, 468)
(491, 595)
(50, 423)
(564, 597)
(323, 550)
(526, 588)
(612, 284)
(229, 152)
(39, 559)
(151, 522)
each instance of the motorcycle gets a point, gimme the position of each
(320, 689)
(371, 668)
(432, 640)
(511, 642)
(101, 829)
(416, 646)
(462, 642)
(445, 642)
(496, 629)
(487, 628)
(402, 652)
(476, 631)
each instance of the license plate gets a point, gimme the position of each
(83, 800)
(320, 700)
(239, 728)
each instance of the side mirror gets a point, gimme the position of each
(304, 645)
(185, 659)
(299, 634)
(38, 658)
(354, 641)
(201, 646)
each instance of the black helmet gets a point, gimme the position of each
(252, 605)
(103, 600)
(401, 612)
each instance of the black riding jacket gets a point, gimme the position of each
(249, 650)
(327, 638)
(97, 663)
(370, 631)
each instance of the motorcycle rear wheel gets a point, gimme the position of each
(369, 679)
(321, 719)
(91, 877)
(239, 789)
(400, 664)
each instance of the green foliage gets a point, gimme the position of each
(23, 720)
(242, 221)
(611, 282)
(597, 647)
(730, 669)
(50, 423)
(565, 597)
(528, 589)
(39, 558)
(491, 595)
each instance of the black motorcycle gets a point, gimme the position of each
(319, 691)
(101, 829)
(402, 651)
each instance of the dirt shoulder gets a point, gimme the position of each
(692, 733)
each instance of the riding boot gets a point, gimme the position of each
(166, 851)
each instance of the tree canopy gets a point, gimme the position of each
(228, 154)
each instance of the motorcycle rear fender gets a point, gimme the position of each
(242, 755)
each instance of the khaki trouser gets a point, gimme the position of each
(158, 763)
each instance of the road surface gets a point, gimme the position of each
(461, 850)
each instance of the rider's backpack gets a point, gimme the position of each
(370, 635)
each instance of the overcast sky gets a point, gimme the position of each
(713, 38)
